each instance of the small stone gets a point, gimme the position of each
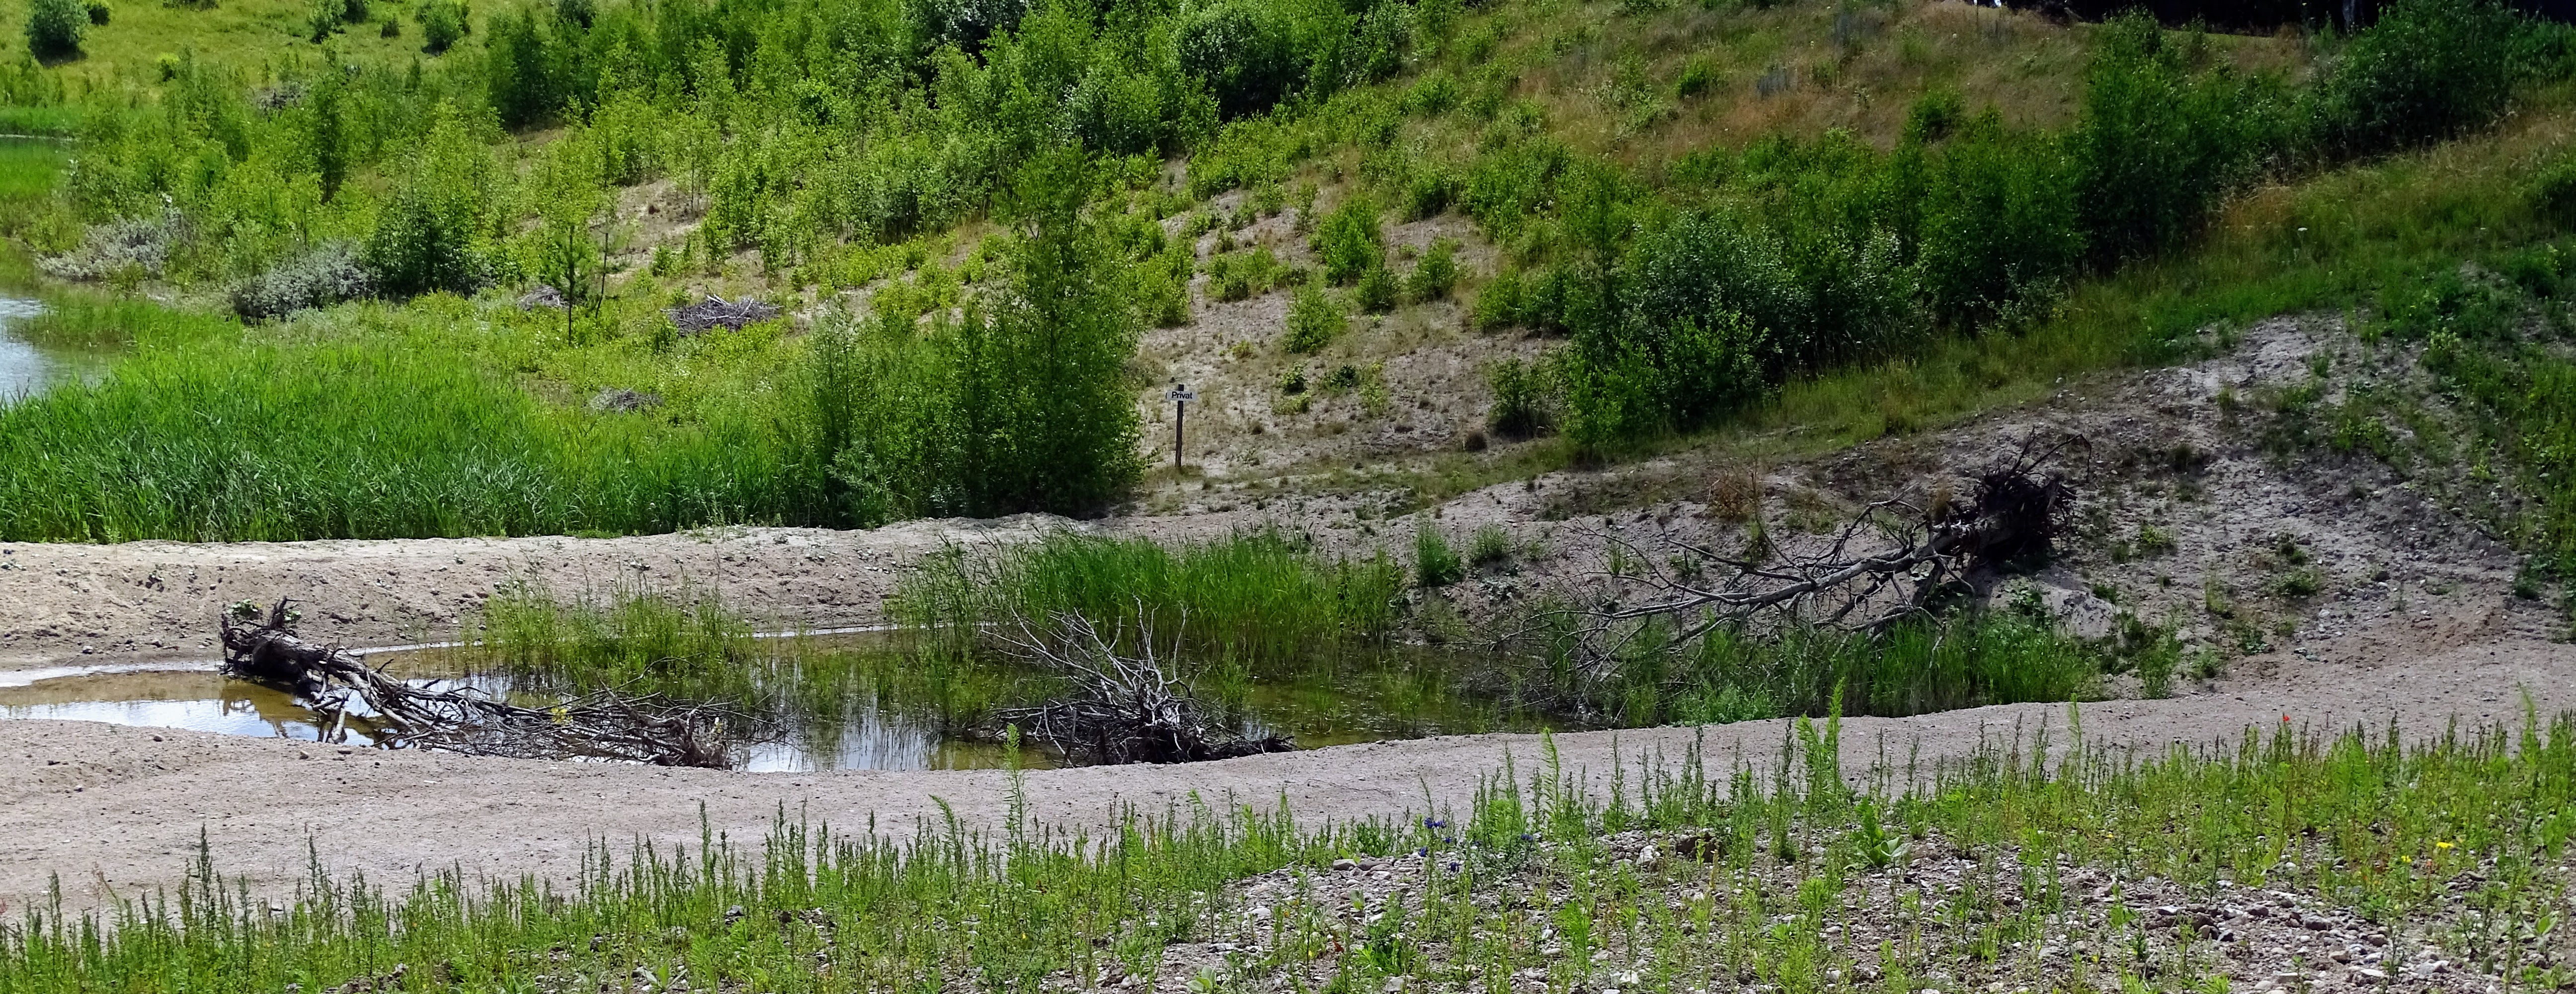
(1346, 865)
(2368, 973)
(1394, 984)
(1626, 979)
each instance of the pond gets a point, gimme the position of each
(852, 703)
(26, 368)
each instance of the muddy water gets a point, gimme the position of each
(817, 718)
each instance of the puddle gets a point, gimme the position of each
(860, 704)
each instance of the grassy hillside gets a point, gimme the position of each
(270, 40)
(1842, 218)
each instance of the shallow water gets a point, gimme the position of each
(845, 725)
(26, 369)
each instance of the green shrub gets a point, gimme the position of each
(1349, 243)
(54, 27)
(2158, 144)
(1491, 546)
(2426, 71)
(99, 12)
(1242, 52)
(1314, 320)
(431, 237)
(519, 71)
(2553, 194)
(2000, 227)
(1698, 77)
(1435, 564)
(1524, 399)
(1377, 290)
(1021, 405)
(1436, 274)
(443, 23)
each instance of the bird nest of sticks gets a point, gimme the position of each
(1122, 707)
(260, 645)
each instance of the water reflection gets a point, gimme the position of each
(826, 709)
(24, 369)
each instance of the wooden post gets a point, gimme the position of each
(1181, 398)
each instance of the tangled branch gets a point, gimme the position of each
(262, 646)
(1895, 560)
(1123, 708)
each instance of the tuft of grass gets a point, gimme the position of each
(1435, 563)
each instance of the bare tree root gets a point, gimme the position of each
(262, 646)
(1123, 709)
(1896, 560)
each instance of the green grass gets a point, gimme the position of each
(359, 439)
(2394, 832)
(376, 422)
(1260, 599)
(1966, 661)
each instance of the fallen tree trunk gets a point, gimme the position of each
(261, 645)
(1894, 562)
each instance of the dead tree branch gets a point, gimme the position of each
(262, 646)
(1895, 560)
(1122, 708)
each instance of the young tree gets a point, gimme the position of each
(1049, 423)
(430, 237)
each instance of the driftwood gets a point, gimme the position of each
(1896, 560)
(1123, 709)
(715, 312)
(261, 645)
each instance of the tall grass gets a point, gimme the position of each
(689, 644)
(2363, 821)
(208, 437)
(1260, 597)
(1736, 675)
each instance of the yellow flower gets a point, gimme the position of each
(2441, 845)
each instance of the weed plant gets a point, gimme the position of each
(2393, 831)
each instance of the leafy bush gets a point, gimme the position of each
(1377, 290)
(54, 27)
(443, 23)
(519, 71)
(1437, 272)
(1999, 224)
(1021, 405)
(321, 278)
(2427, 70)
(1349, 242)
(431, 237)
(1314, 320)
(1523, 399)
(2158, 144)
(1242, 52)
(116, 249)
(1633, 379)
